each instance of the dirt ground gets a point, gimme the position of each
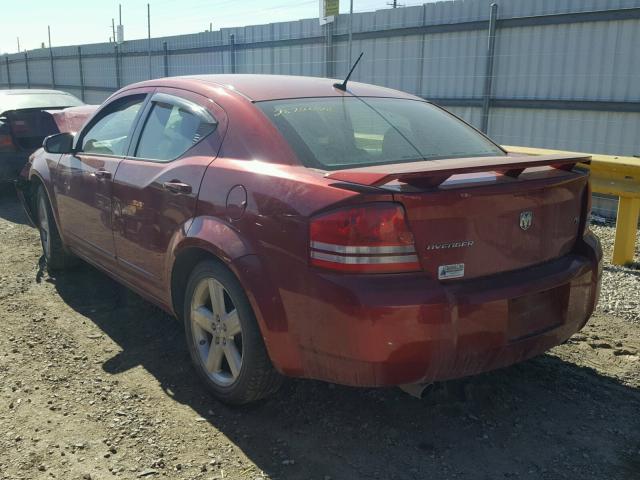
(95, 383)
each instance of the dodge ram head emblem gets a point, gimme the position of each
(526, 219)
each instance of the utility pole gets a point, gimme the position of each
(113, 29)
(394, 4)
(18, 38)
(350, 32)
(53, 73)
(488, 79)
(149, 36)
(120, 32)
(211, 26)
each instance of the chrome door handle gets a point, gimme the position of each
(177, 187)
(102, 174)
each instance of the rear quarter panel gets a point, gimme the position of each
(267, 247)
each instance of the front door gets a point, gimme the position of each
(156, 185)
(84, 179)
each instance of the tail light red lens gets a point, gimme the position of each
(6, 143)
(372, 238)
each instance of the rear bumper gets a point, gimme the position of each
(396, 329)
(11, 163)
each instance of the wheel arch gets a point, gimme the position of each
(35, 182)
(263, 375)
(185, 260)
(202, 238)
(272, 322)
(36, 174)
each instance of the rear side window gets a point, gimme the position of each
(171, 130)
(109, 135)
(341, 132)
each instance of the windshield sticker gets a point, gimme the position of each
(302, 109)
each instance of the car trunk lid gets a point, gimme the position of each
(29, 127)
(482, 216)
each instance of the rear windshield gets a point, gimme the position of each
(37, 100)
(341, 132)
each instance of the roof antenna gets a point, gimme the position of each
(343, 86)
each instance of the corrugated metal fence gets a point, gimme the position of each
(561, 74)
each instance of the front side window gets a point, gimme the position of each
(171, 130)
(342, 132)
(110, 134)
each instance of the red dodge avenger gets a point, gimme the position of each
(299, 227)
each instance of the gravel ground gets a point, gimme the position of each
(95, 383)
(620, 285)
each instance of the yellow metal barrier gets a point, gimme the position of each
(611, 175)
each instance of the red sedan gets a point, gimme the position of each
(361, 236)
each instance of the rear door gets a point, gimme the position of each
(83, 180)
(156, 185)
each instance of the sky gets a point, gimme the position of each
(75, 22)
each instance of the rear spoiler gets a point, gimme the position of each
(432, 173)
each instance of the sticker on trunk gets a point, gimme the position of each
(455, 270)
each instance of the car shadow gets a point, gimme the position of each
(11, 208)
(545, 418)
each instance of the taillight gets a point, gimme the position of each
(373, 238)
(6, 143)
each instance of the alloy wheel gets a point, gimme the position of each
(217, 332)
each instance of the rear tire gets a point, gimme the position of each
(224, 339)
(53, 249)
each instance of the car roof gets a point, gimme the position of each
(31, 91)
(260, 87)
(24, 98)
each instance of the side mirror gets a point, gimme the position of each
(58, 143)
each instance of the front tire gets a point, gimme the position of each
(54, 252)
(223, 337)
